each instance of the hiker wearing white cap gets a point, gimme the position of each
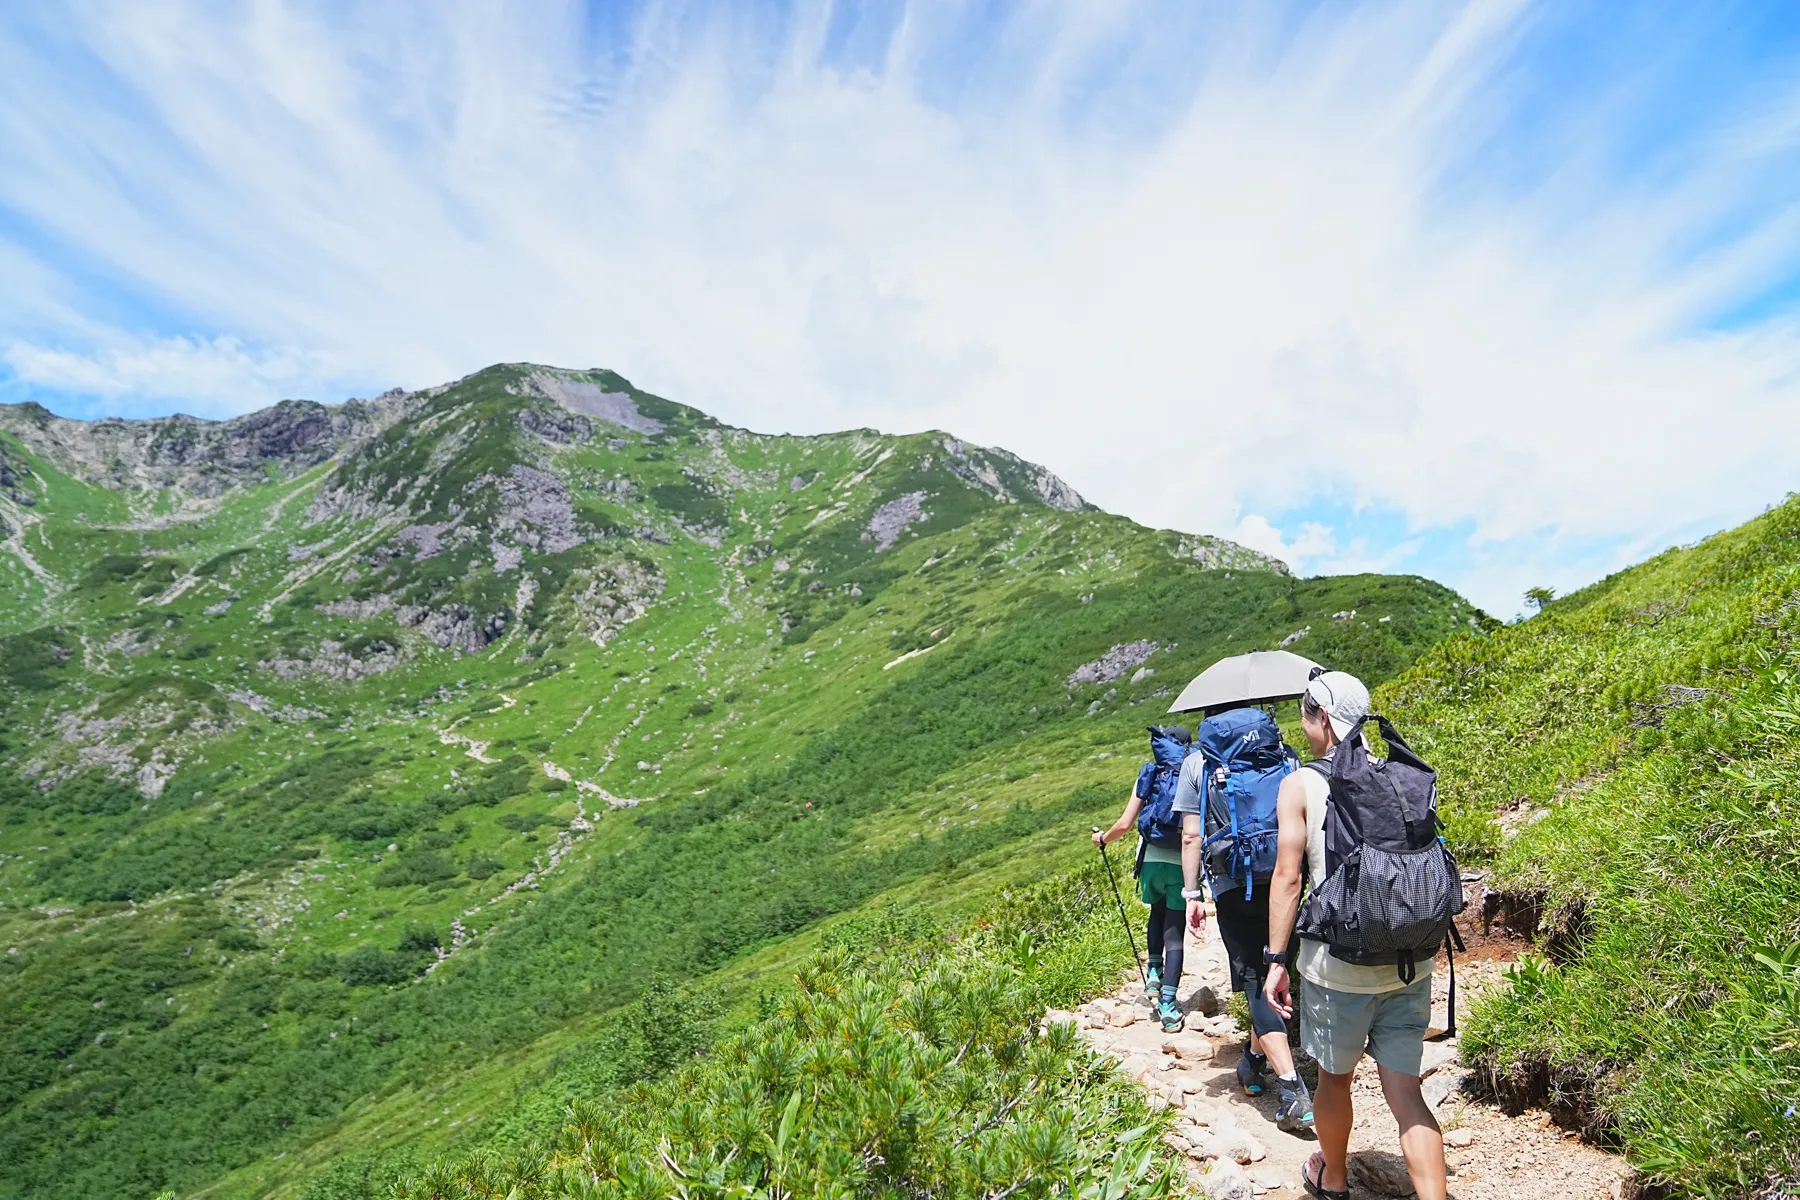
(1347, 1007)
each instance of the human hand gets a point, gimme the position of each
(1196, 916)
(1099, 838)
(1277, 992)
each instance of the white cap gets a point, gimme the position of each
(1343, 697)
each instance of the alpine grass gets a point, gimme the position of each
(1641, 739)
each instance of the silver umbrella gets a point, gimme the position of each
(1259, 677)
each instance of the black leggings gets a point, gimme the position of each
(1244, 928)
(1167, 941)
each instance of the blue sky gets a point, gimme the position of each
(1500, 293)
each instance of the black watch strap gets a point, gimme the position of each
(1273, 958)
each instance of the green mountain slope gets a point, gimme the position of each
(378, 776)
(1632, 756)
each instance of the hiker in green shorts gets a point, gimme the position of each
(1159, 863)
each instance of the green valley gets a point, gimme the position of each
(376, 780)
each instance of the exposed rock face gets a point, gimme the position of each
(617, 594)
(1114, 663)
(200, 457)
(586, 398)
(427, 540)
(1005, 476)
(14, 478)
(1219, 554)
(563, 428)
(455, 626)
(892, 518)
(535, 509)
(332, 661)
(1057, 494)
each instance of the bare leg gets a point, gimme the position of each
(1275, 1045)
(1420, 1139)
(1331, 1121)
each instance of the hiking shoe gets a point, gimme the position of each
(1153, 980)
(1295, 1113)
(1173, 1019)
(1250, 1075)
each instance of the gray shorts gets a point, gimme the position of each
(1336, 1027)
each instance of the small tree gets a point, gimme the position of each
(1537, 597)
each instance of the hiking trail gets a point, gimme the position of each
(1236, 1153)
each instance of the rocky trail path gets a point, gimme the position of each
(1236, 1153)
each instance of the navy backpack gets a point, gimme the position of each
(1158, 823)
(1246, 760)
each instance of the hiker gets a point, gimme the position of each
(1158, 867)
(1364, 986)
(1227, 797)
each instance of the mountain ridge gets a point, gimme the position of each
(383, 775)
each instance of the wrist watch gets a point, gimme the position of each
(1193, 893)
(1274, 958)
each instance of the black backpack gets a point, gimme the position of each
(1392, 888)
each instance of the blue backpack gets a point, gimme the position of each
(1158, 823)
(1246, 761)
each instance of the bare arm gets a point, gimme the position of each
(1191, 843)
(1284, 889)
(1126, 822)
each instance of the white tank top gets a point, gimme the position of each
(1315, 962)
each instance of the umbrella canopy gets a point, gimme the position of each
(1259, 677)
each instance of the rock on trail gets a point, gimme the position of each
(1234, 1150)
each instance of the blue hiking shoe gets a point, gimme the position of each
(1295, 1113)
(1173, 1019)
(1153, 980)
(1250, 1073)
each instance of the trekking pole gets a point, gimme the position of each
(1123, 919)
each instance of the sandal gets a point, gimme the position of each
(1315, 1187)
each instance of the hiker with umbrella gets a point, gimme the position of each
(1227, 797)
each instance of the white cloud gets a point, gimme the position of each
(1260, 256)
(219, 376)
(1314, 541)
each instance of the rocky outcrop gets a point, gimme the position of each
(454, 626)
(200, 457)
(333, 660)
(615, 594)
(1007, 477)
(15, 477)
(1219, 554)
(562, 428)
(428, 539)
(1114, 663)
(534, 510)
(892, 518)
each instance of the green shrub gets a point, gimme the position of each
(899, 1065)
(411, 867)
(371, 966)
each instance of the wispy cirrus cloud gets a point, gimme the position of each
(1488, 291)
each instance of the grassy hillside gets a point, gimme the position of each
(1631, 758)
(374, 779)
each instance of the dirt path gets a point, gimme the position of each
(1237, 1153)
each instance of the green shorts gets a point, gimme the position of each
(1161, 883)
